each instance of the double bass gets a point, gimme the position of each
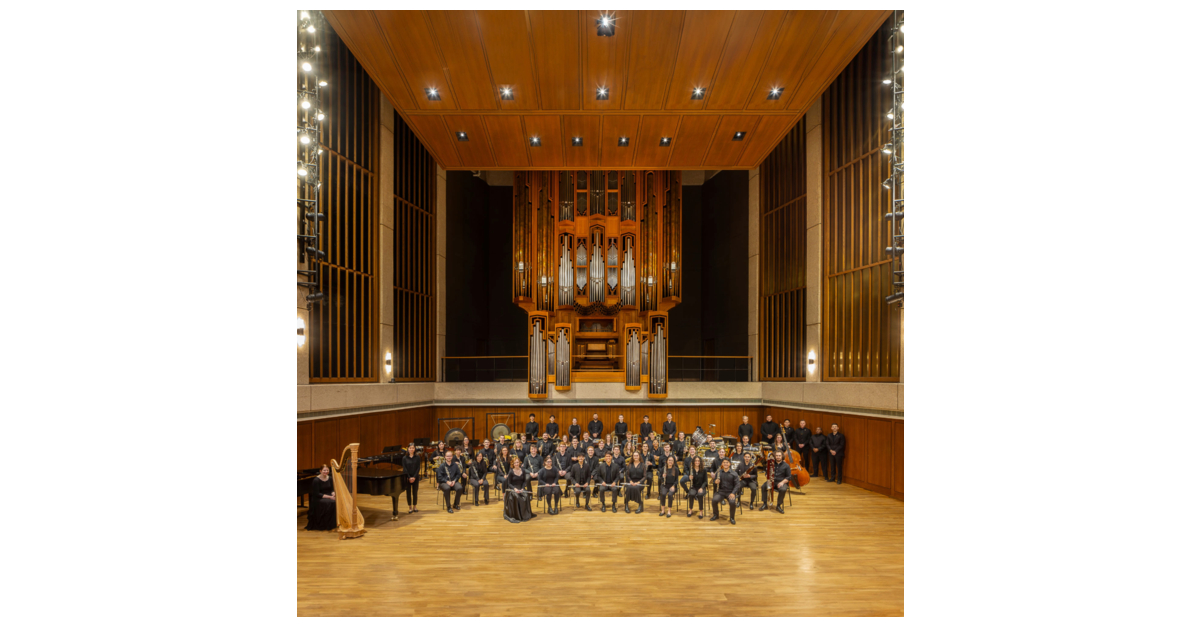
(799, 477)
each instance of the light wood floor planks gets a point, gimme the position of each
(839, 550)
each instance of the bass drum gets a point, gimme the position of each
(499, 431)
(455, 437)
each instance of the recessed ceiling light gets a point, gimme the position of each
(698, 93)
(533, 141)
(462, 136)
(606, 26)
(506, 93)
(623, 141)
(666, 141)
(602, 93)
(432, 93)
(576, 141)
(776, 92)
(739, 136)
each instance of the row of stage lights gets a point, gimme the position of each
(309, 117)
(894, 150)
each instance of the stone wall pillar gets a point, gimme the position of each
(814, 269)
(387, 238)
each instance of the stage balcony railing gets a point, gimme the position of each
(710, 368)
(485, 369)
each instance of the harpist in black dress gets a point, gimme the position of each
(322, 507)
(516, 504)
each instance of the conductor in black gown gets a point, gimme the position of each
(516, 500)
(322, 506)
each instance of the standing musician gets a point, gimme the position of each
(622, 429)
(836, 444)
(779, 481)
(818, 453)
(669, 428)
(645, 427)
(635, 475)
(745, 430)
(749, 477)
(667, 487)
(803, 443)
(552, 427)
(479, 470)
(574, 429)
(449, 477)
(532, 428)
(770, 429)
(789, 434)
(608, 480)
(577, 480)
(595, 427)
(696, 480)
(516, 497)
(411, 463)
(548, 485)
(725, 487)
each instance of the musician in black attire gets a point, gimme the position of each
(668, 486)
(533, 463)
(655, 461)
(501, 468)
(547, 448)
(622, 429)
(548, 486)
(590, 461)
(478, 477)
(561, 460)
(519, 451)
(322, 504)
(411, 463)
(679, 446)
(635, 473)
(669, 428)
(696, 480)
(552, 427)
(770, 429)
(489, 452)
(646, 427)
(608, 477)
(836, 444)
(516, 499)
(532, 428)
(449, 477)
(595, 427)
(749, 477)
(789, 433)
(779, 480)
(745, 430)
(819, 453)
(725, 487)
(803, 443)
(577, 480)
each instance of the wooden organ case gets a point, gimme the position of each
(596, 266)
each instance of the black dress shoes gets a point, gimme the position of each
(762, 507)
(732, 521)
(662, 513)
(779, 508)
(626, 508)
(588, 508)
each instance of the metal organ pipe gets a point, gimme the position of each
(628, 278)
(564, 274)
(632, 369)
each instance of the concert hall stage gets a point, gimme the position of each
(839, 550)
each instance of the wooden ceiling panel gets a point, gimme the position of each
(548, 129)
(692, 139)
(746, 50)
(432, 131)
(770, 129)
(612, 129)
(587, 128)
(724, 149)
(653, 46)
(555, 36)
(704, 34)
(505, 37)
(508, 140)
(412, 44)
(366, 43)
(799, 42)
(604, 64)
(466, 67)
(650, 153)
(851, 30)
(477, 149)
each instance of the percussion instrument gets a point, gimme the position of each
(499, 432)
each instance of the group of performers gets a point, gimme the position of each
(593, 466)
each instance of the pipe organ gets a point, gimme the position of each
(596, 265)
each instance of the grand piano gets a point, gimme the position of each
(383, 481)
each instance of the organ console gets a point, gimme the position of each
(596, 259)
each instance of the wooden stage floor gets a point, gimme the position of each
(839, 550)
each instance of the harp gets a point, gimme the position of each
(345, 489)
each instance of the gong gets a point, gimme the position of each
(499, 431)
(455, 437)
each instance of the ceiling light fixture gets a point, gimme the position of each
(322, 82)
(666, 141)
(775, 93)
(432, 93)
(602, 93)
(623, 141)
(576, 141)
(606, 26)
(534, 141)
(698, 93)
(462, 136)
(304, 139)
(306, 66)
(739, 136)
(506, 93)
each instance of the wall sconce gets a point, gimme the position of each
(299, 332)
(387, 362)
(812, 362)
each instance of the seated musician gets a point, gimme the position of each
(607, 478)
(586, 441)
(478, 476)
(569, 451)
(449, 477)
(779, 481)
(577, 480)
(516, 496)
(548, 485)
(562, 461)
(668, 486)
(533, 462)
(489, 452)
(738, 452)
(636, 478)
(595, 427)
(725, 487)
(618, 456)
(622, 429)
(463, 452)
(697, 482)
(669, 428)
(501, 468)
(745, 430)
(519, 450)
(720, 458)
(574, 430)
(709, 442)
(547, 447)
(531, 427)
(691, 453)
(322, 504)
(552, 427)
(745, 441)
(590, 460)
(657, 460)
(645, 427)
(749, 477)
(411, 463)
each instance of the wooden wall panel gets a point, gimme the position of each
(508, 141)
(587, 128)
(325, 442)
(548, 129)
(304, 445)
(783, 230)
(612, 129)
(650, 154)
(692, 140)
(874, 447)
(605, 59)
(653, 49)
(318, 441)
(458, 40)
(412, 45)
(476, 149)
(750, 40)
(509, 58)
(414, 280)
(698, 57)
(555, 36)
